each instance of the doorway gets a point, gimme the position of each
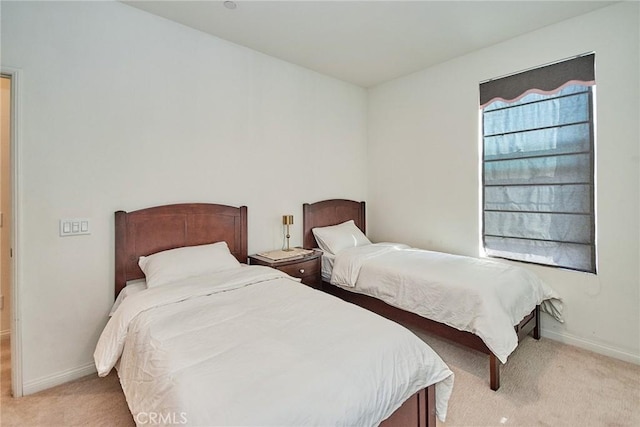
(5, 234)
(9, 185)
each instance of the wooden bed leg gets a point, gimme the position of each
(430, 406)
(536, 329)
(494, 372)
(419, 410)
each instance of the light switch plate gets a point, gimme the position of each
(75, 227)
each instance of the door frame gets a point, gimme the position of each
(16, 309)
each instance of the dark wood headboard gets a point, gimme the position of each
(147, 231)
(330, 212)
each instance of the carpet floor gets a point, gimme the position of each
(544, 383)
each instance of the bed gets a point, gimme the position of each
(231, 344)
(433, 291)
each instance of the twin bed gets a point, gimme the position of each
(200, 338)
(483, 304)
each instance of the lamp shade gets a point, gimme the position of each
(287, 219)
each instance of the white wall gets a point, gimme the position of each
(423, 169)
(125, 110)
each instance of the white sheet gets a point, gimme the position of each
(327, 265)
(481, 296)
(253, 347)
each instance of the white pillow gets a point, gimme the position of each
(132, 288)
(335, 238)
(166, 267)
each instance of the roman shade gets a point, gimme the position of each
(538, 165)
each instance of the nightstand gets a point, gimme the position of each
(308, 268)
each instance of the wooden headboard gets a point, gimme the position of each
(330, 212)
(147, 231)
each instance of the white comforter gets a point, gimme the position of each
(481, 296)
(251, 346)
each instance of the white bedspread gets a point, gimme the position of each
(481, 296)
(251, 346)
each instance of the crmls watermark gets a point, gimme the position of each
(155, 418)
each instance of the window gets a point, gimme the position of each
(538, 165)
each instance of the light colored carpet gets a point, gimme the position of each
(545, 383)
(89, 401)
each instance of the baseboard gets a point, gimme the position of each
(44, 383)
(592, 346)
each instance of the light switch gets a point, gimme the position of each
(74, 227)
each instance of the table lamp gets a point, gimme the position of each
(287, 220)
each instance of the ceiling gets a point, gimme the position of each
(367, 42)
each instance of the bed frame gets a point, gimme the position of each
(146, 231)
(336, 211)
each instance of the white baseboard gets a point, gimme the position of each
(44, 383)
(592, 346)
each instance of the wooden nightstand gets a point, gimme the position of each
(308, 268)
